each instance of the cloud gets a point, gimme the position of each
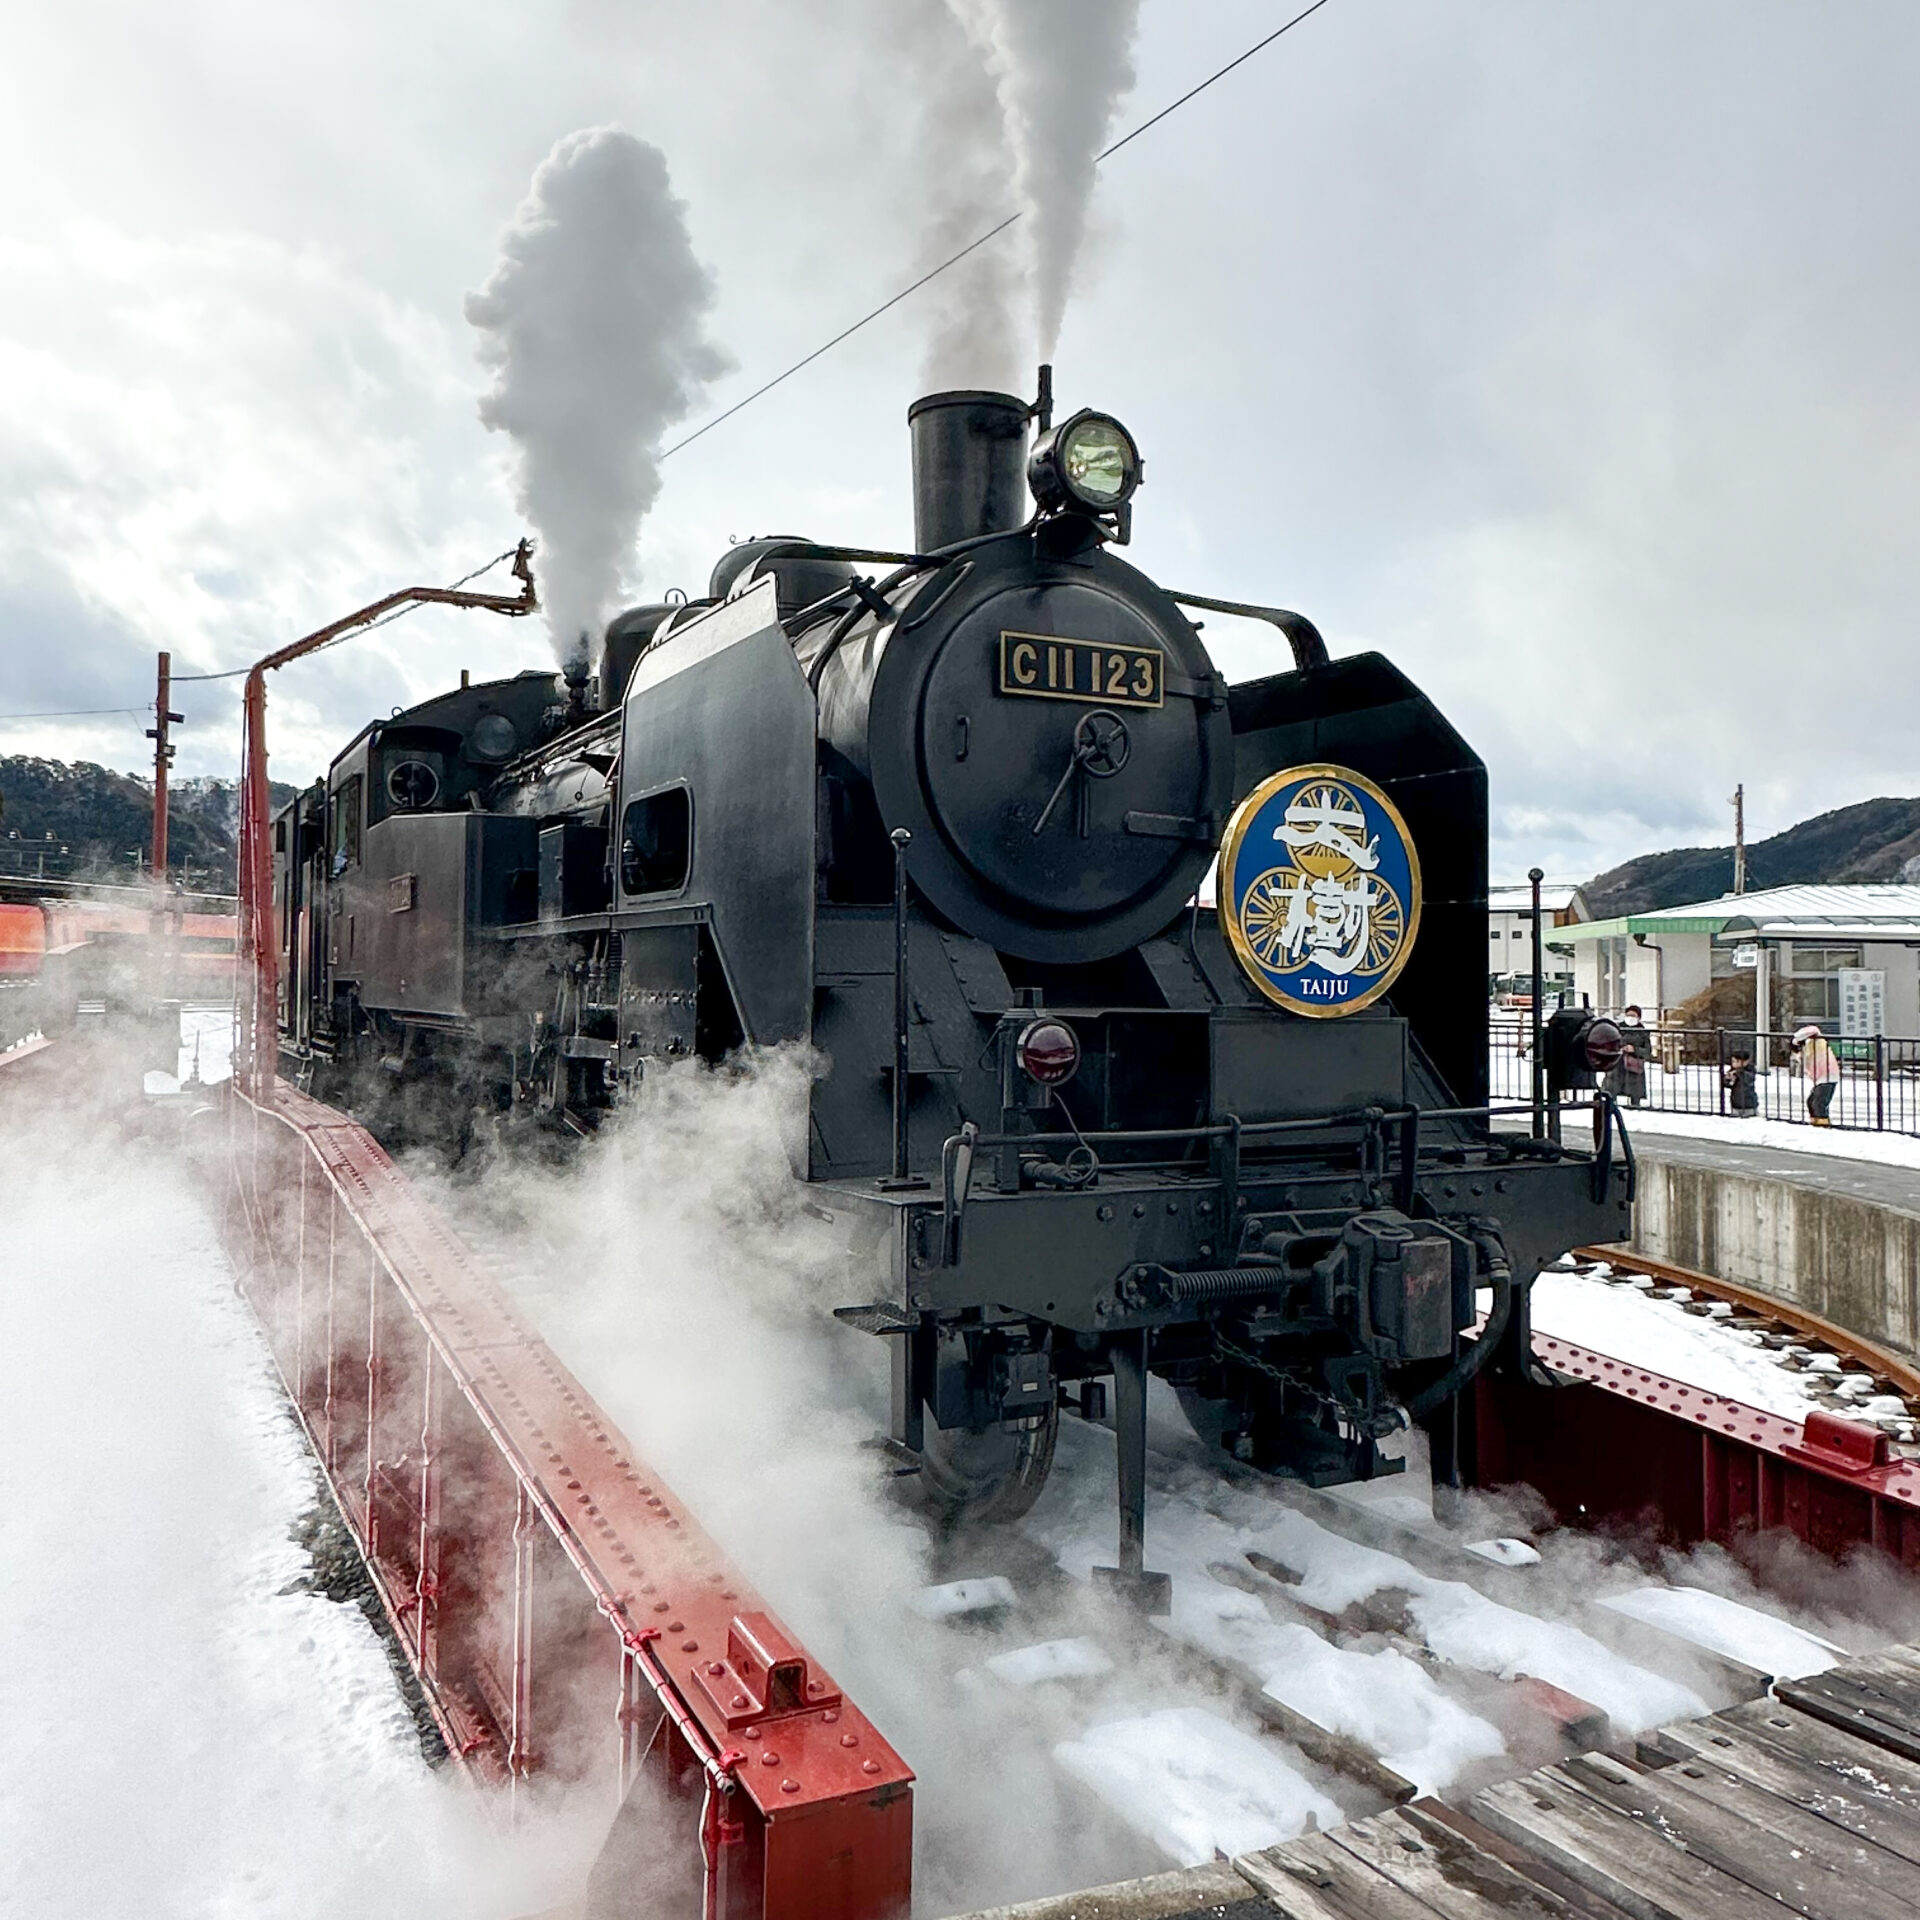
(1564, 356)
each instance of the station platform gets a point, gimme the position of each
(1880, 1183)
(1838, 1235)
(1806, 1802)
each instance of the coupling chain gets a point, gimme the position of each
(1345, 1413)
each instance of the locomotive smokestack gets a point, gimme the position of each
(969, 466)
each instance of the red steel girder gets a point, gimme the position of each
(563, 1610)
(1622, 1444)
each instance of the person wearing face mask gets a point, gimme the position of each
(1629, 1078)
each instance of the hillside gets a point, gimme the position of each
(77, 819)
(1872, 840)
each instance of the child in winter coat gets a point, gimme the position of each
(1743, 1100)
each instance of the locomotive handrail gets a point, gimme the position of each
(1309, 647)
(964, 1147)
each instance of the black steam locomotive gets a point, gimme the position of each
(949, 816)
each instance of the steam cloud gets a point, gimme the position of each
(593, 324)
(964, 185)
(1059, 69)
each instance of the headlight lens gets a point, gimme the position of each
(1097, 462)
(1089, 461)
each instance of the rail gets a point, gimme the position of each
(1902, 1374)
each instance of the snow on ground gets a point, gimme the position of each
(1197, 1521)
(1195, 1784)
(184, 1736)
(1391, 1705)
(1636, 1326)
(1724, 1626)
(1782, 1136)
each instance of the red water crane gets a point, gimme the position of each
(259, 952)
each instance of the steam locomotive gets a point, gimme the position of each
(948, 816)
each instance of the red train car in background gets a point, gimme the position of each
(58, 956)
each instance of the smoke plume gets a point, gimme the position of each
(1059, 70)
(593, 325)
(963, 185)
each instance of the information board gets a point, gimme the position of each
(1863, 1001)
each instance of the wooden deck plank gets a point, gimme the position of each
(1856, 1856)
(1445, 1870)
(1834, 1776)
(1652, 1877)
(1783, 1725)
(1311, 1879)
(1778, 1850)
(1877, 1698)
(1436, 1817)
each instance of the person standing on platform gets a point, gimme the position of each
(1743, 1098)
(1817, 1062)
(1630, 1076)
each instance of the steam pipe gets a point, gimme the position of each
(1539, 987)
(259, 949)
(902, 1017)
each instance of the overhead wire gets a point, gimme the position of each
(779, 379)
(973, 246)
(234, 673)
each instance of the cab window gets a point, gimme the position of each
(346, 827)
(656, 842)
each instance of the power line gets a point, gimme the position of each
(799, 366)
(76, 713)
(234, 673)
(992, 233)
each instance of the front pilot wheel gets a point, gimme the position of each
(985, 1478)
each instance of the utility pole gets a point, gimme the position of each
(1740, 839)
(163, 717)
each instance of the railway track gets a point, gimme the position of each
(1867, 1375)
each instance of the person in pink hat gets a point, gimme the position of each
(1822, 1071)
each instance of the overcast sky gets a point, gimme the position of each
(1563, 352)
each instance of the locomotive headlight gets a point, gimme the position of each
(1048, 1052)
(1089, 461)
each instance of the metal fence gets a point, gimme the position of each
(1688, 1071)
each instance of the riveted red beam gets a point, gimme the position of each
(1621, 1444)
(565, 1613)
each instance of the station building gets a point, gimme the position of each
(1510, 936)
(1845, 958)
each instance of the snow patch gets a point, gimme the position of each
(1194, 1784)
(1727, 1628)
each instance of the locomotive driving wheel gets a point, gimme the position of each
(982, 1478)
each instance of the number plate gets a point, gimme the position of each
(1045, 667)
